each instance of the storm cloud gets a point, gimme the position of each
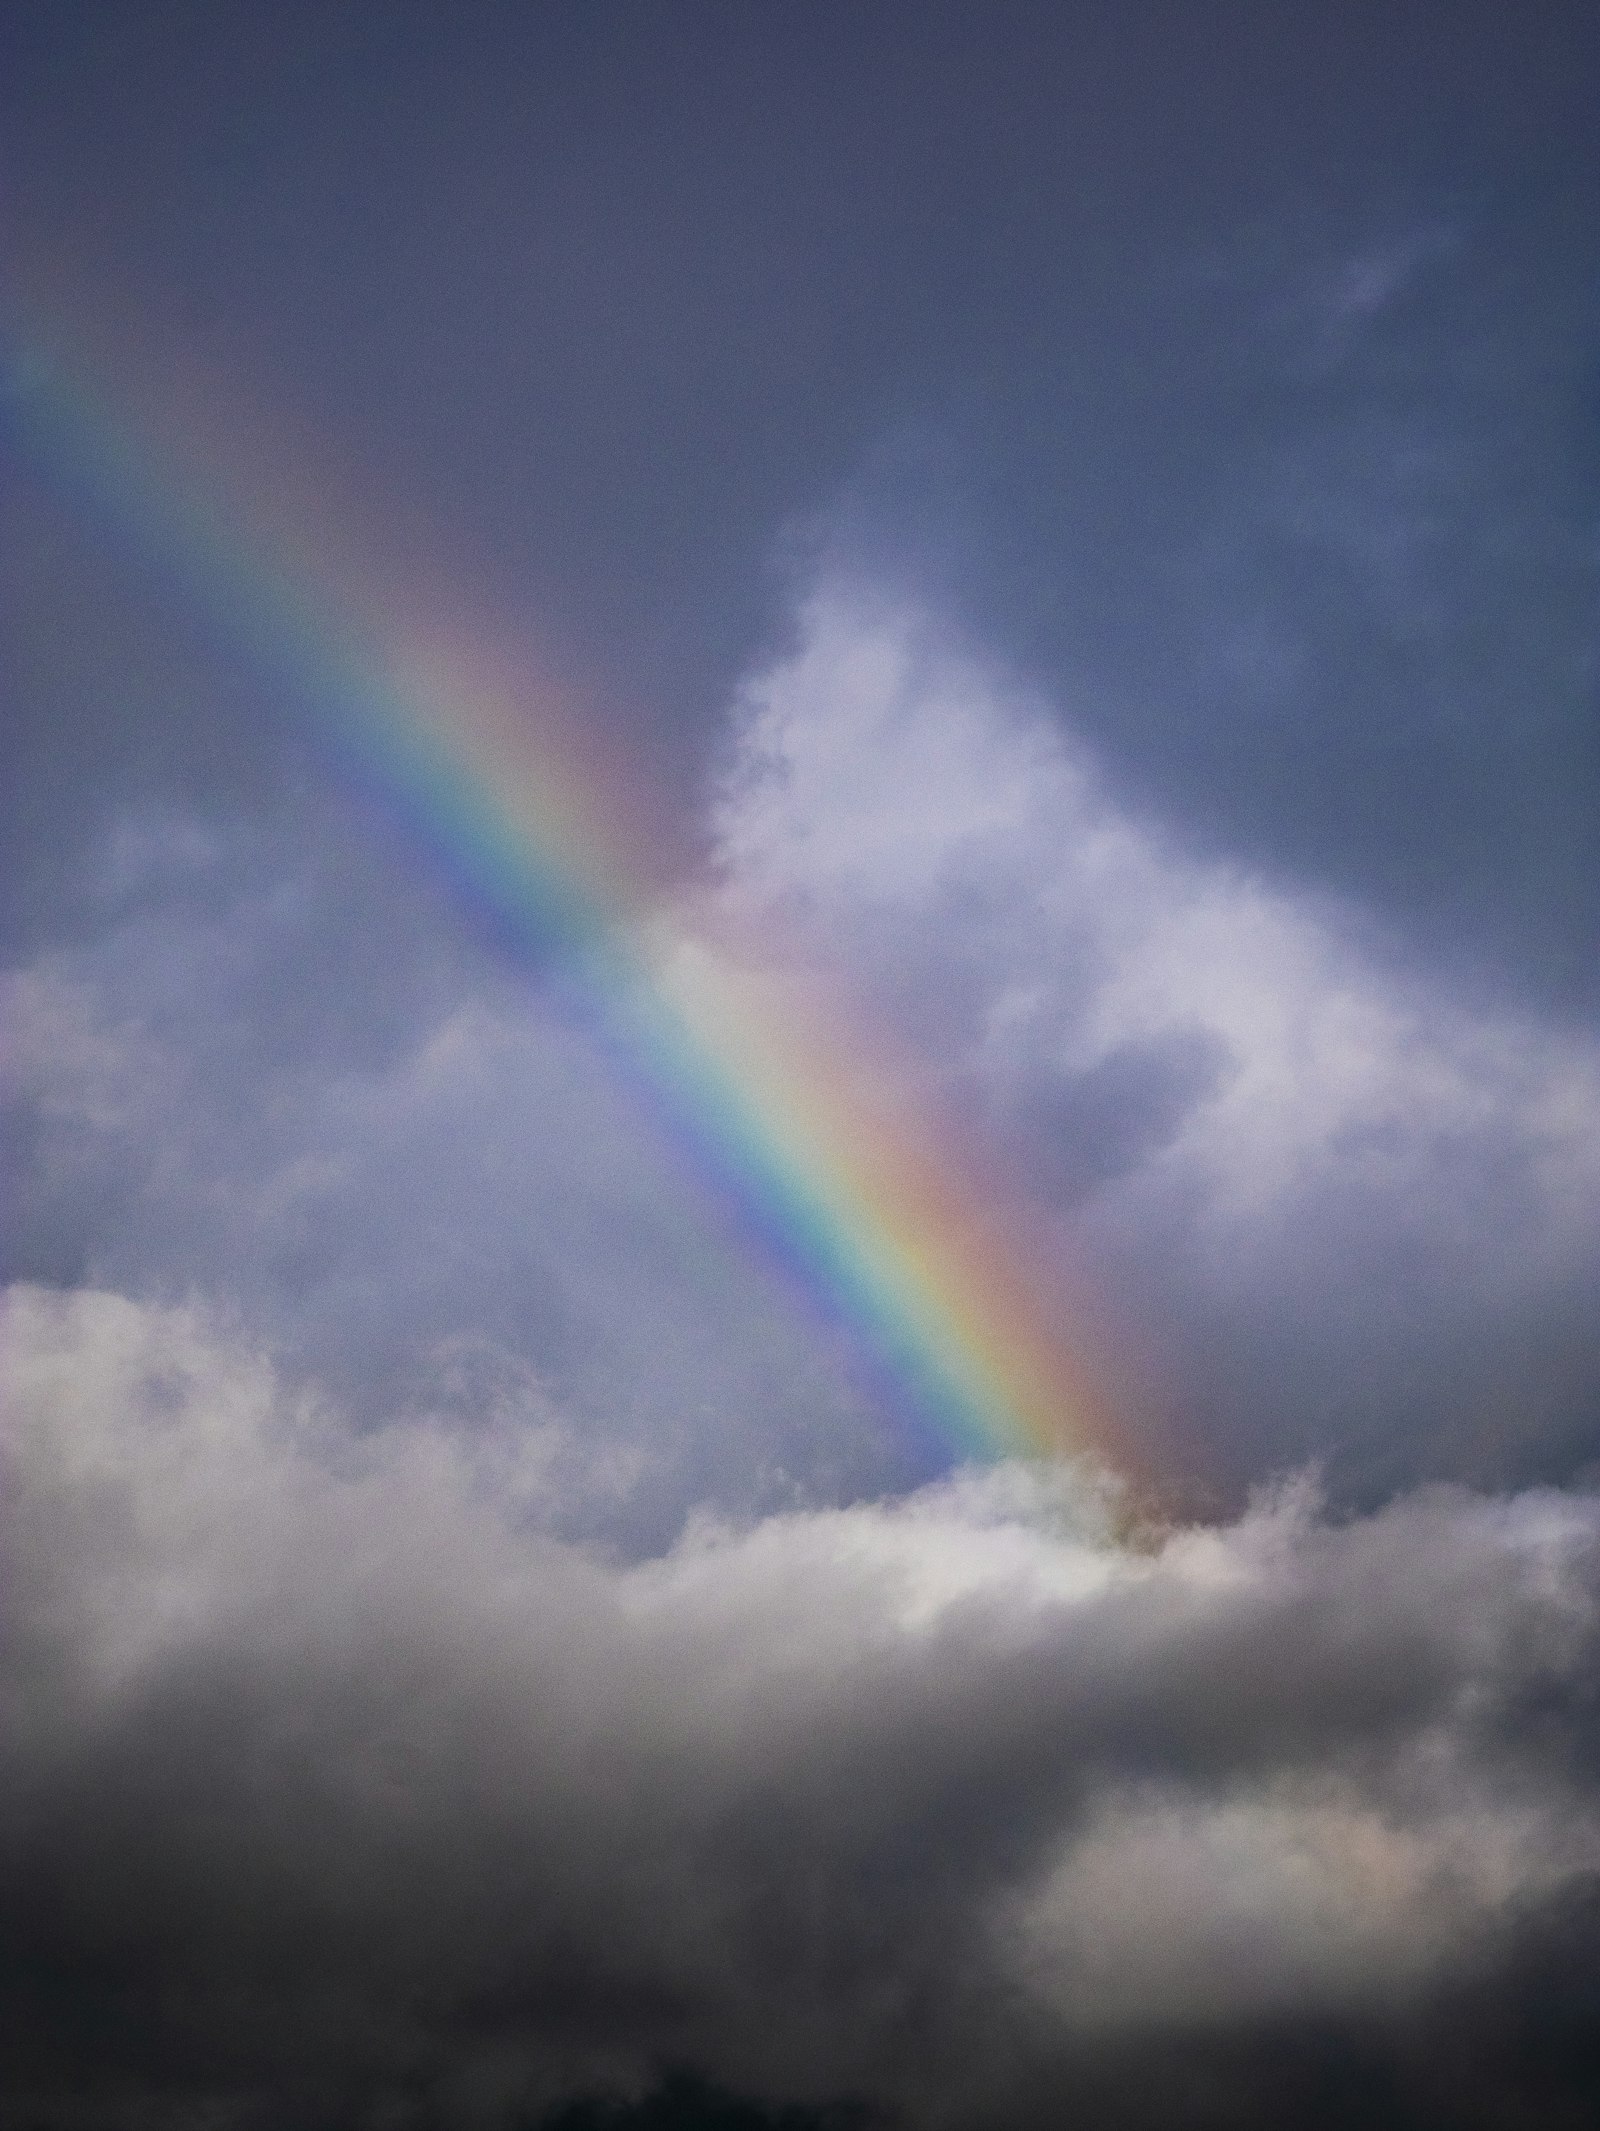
(331, 1772)
(1062, 539)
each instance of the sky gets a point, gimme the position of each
(801, 1066)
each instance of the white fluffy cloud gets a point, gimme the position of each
(905, 796)
(1353, 1206)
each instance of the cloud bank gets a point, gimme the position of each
(340, 1789)
(473, 1652)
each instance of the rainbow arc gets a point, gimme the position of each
(896, 1231)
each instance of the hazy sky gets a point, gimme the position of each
(1081, 521)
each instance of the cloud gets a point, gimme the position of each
(474, 1180)
(1107, 938)
(1295, 1896)
(1338, 1208)
(339, 1787)
(1233, 1076)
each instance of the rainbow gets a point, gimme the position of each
(783, 1098)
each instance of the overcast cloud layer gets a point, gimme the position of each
(1076, 526)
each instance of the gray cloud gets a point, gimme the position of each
(475, 1192)
(465, 1641)
(334, 1780)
